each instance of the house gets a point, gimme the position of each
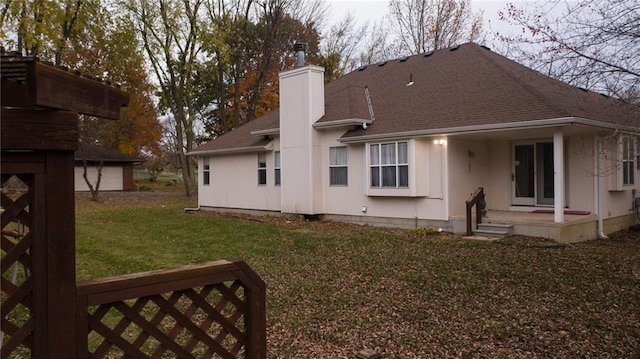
(117, 168)
(405, 142)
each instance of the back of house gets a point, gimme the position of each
(405, 142)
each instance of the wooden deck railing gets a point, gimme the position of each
(215, 309)
(476, 199)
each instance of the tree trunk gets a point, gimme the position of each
(95, 191)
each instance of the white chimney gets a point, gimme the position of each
(301, 105)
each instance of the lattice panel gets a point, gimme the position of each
(17, 279)
(204, 322)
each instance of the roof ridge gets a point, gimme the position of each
(519, 81)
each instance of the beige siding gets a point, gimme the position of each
(352, 199)
(471, 166)
(111, 178)
(234, 183)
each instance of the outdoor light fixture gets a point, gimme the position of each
(439, 141)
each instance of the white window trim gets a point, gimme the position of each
(409, 191)
(262, 169)
(346, 165)
(631, 142)
(206, 172)
(614, 155)
(276, 168)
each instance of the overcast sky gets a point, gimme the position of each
(374, 10)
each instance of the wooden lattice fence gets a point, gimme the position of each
(211, 310)
(17, 280)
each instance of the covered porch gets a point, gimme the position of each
(539, 181)
(575, 227)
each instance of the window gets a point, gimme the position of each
(262, 168)
(628, 160)
(389, 164)
(338, 166)
(276, 167)
(205, 171)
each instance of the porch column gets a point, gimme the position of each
(558, 178)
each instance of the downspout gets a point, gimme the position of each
(598, 199)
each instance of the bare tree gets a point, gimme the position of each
(376, 45)
(424, 25)
(592, 44)
(339, 50)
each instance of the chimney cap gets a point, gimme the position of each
(299, 48)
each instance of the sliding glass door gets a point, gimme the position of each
(532, 174)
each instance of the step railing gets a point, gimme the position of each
(214, 309)
(476, 199)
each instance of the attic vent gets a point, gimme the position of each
(428, 54)
(404, 59)
(361, 68)
(454, 47)
(382, 64)
(410, 80)
(485, 47)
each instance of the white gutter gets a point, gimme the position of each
(490, 128)
(342, 123)
(266, 132)
(229, 150)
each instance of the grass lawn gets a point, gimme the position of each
(334, 289)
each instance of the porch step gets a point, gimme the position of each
(493, 230)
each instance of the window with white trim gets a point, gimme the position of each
(276, 167)
(262, 168)
(338, 166)
(389, 165)
(628, 160)
(206, 171)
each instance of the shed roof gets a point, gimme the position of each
(463, 87)
(95, 153)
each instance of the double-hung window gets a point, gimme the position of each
(389, 165)
(628, 160)
(338, 166)
(276, 167)
(206, 171)
(262, 168)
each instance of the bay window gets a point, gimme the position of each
(389, 165)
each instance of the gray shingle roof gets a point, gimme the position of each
(94, 153)
(464, 86)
